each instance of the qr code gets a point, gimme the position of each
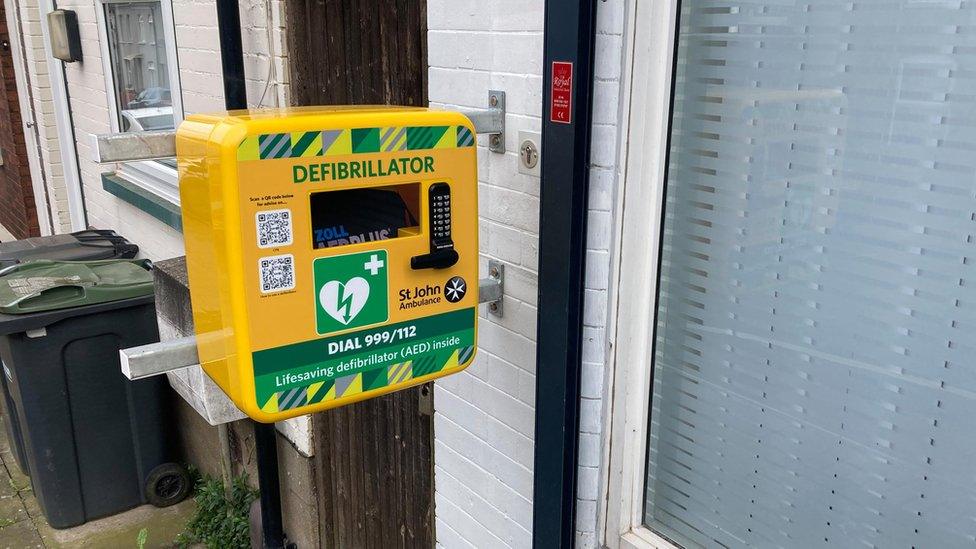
(277, 273)
(274, 228)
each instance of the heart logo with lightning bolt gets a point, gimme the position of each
(343, 301)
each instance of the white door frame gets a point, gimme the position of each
(66, 133)
(650, 37)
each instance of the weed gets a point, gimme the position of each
(219, 522)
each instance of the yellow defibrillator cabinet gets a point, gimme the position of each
(332, 253)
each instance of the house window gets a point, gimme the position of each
(813, 379)
(139, 55)
(137, 47)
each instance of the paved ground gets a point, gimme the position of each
(22, 525)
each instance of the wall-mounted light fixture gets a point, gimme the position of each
(64, 36)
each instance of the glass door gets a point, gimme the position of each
(814, 330)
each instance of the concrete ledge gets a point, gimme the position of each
(175, 318)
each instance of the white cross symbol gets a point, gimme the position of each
(373, 265)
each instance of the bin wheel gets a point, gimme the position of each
(168, 484)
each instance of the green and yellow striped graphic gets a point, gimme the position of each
(275, 146)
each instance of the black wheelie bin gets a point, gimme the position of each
(95, 443)
(85, 245)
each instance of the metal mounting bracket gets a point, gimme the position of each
(157, 145)
(490, 121)
(492, 289)
(165, 356)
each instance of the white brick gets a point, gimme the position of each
(605, 102)
(603, 147)
(594, 307)
(598, 230)
(517, 15)
(601, 189)
(597, 269)
(610, 17)
(465, 50)
(520, 317)
(585, 515)
(459, 87)
(504, 167)
(467, 527)
(607, 57)
(588, 482)
(506, 243)
(526, 388)
(518, 52)
(523, 92)
(515, 348)
(530, 253)
(590, 415)
(515, 209)
(474, 505)
(593, 344)
(448, 538)
(506, 409)
(457, 15)
(591, 380)
(589, 450)
(503, 376)
(586, 540)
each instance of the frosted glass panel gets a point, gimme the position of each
(815, 367)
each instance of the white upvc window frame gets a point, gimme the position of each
(155, 177)
(651, 27)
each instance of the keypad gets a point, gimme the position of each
(440, 215)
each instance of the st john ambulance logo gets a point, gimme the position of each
(455, 289)
(350, 291)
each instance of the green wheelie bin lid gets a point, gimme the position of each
(46, 285)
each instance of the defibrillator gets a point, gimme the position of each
(332, 253)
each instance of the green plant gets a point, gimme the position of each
(220, 522)
(141, 538)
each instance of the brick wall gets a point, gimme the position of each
(485, 416)
(17, 212)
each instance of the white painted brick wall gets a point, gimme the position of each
(199, 67)
(604, 172)
(484, 417)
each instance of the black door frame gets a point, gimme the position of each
(569, 37)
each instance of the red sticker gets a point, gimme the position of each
(561, 98)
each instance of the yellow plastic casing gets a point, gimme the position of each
(287, 329)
